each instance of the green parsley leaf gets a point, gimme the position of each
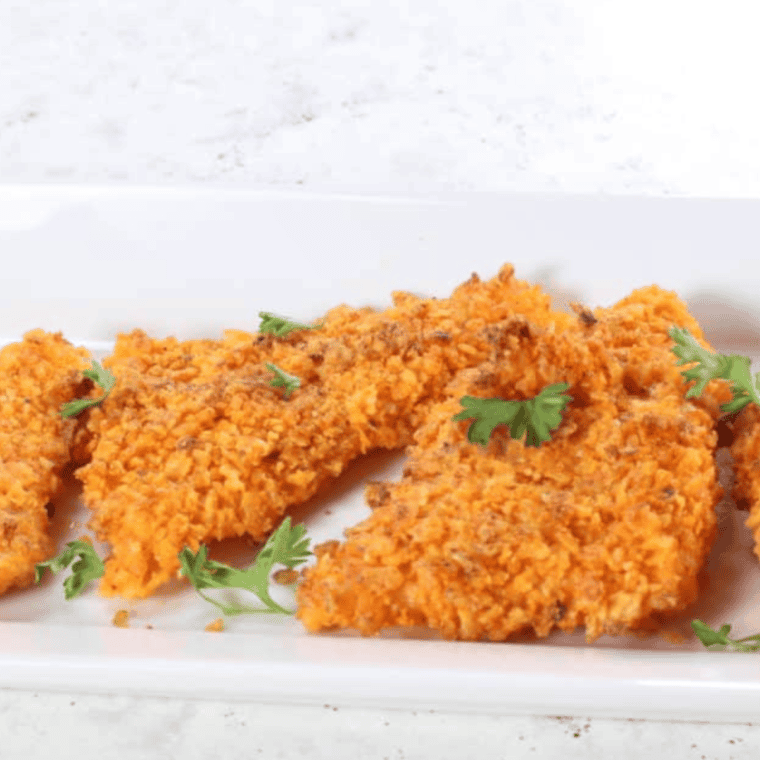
(283, 380)
(286, 546)
(710, 637)
(538, 416)
(87, 568)
(280, 327)
(101, 377)
(710, 366)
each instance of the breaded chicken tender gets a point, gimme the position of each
(37, 376)
(194, 444)
(604, 526)
(745, 450)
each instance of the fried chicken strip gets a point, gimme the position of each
(745, 450)
(194, 444)
(37, 376)
(604, 526)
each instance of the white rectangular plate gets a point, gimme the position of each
(92, 262)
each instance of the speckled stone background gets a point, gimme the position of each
(591, 95)
(599, 96)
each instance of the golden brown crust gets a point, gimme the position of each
(745, 451)
(194, 444)
(37, 376)
(604, 526)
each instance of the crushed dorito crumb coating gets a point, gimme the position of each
(604, 526)
(194, 444)
(37, 376)
(745, 450)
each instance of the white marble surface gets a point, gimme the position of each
(589, 95)
(531, 95)
(71, 727)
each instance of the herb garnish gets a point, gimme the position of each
(281, 327)
(538, 415)
(287, 546)
(711, 366)
(283, 380)
(87, 568)
(100, 376)
(710, 637)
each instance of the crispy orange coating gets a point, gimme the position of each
(745, 450)
(194, 444)
(604, 526)
(37, 375)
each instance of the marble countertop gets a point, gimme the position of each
(591, 96)
(530, 95)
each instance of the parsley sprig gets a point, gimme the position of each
(287, 546)
(101, 377)
(710, 366)
(88, 567)
(281, 327)
(537, 416)
(710, 637)
(283, 380)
